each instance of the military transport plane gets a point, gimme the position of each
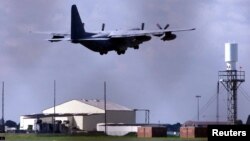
(117, 40)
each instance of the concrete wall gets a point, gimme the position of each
(90, 122)
(78, 122)
(117, 130)
(127, 117)
(193, 132)
(24, 123)
(148, 132)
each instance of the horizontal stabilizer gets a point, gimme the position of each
(180, 30)
(58, 39)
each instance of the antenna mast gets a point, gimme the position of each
(3, 126)
(231, 79)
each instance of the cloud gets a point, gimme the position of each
(161, 76)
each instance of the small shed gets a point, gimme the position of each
(193, 132)
(151, 131)
(194, 129)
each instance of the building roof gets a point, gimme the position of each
(42, 115)
(85, 106)
(204, 123)
(109, 105)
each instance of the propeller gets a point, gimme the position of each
(159, 26)
(103, 27)
(142, 26)
(167, 25)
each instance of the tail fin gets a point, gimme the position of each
(77, 27)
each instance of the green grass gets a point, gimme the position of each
(51, 137)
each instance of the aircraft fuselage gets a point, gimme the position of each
(104, 45)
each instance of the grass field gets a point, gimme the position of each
(34, 137)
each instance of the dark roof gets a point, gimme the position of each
(204, 123)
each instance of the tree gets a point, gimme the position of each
(248, 120)
(10, 123)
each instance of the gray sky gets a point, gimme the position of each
(161, 76)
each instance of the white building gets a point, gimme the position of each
(81, 114)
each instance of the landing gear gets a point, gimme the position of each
(103, 52)
(136, 47)
(121, 52)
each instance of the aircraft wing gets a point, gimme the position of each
(134, 33)
(51, 33)
(56, 37)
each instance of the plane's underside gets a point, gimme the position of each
(118, 45)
